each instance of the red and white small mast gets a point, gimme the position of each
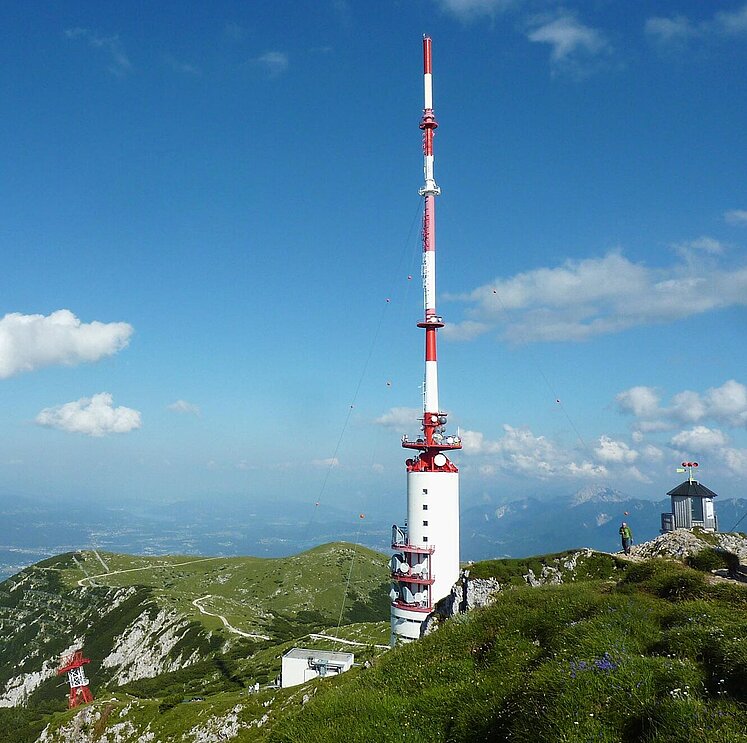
(72, 665)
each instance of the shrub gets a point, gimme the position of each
(710, 559)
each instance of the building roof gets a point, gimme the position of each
(693, 487)
(318, 655)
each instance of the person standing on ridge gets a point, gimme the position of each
(626, 536)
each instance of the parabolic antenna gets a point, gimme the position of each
(439, 460)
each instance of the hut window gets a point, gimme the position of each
(696, 504)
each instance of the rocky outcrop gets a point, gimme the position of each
(143, 650)
(469, 593)
(683, 543)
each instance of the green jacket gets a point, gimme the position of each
(625, 532)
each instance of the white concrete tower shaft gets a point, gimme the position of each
(425, 563)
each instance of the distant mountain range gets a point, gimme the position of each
(33, 529)
(590, 518)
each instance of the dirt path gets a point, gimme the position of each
(253, 635)
(347, 642)
(146, 567)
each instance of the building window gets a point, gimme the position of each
(425, 523)
(425, 539)
(425, 506)
(425, 491)
(696, 509)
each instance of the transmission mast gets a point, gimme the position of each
(72, 665)
(425, 563)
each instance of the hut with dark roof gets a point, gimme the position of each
(692, 505)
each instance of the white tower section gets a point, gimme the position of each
(425, 563)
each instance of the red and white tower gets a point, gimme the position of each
(72, 665)
(426, 560)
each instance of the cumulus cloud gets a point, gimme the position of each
(92, 416)
(699, 439)
(520, 451)
(29, 342)
(597, 296)
(726, 404)
(273, 63)
(119, 62)
(615, 452)
(736, 216)
(643, 402)
(400, 418)
(182, 406)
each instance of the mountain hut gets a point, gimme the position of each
(692, 505)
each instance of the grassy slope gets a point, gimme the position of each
(267, 596)
(648, 653)
(659, 657)
(283, 598)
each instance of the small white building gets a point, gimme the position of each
(300, 665)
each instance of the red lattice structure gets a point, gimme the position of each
(72, 665)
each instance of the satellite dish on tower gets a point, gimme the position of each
(439, 460)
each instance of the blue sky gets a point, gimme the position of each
(210, 221)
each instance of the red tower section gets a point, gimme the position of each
(72, 665)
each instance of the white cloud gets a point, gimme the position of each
(702, 244)
(643, 402)
(687, 406)
(93, 416)
(733, 22)
(726, 404)
(669, 30)
(182, 406)
(569, 39)
(328, 462)
(119, 62)
(679, 29)
(400, 418)
(699, 439)
(468, 9)
(615, 452)
(273, 63)
(520, 451)
(29, 342)
(597, 296)
(652, 453)
(736, 216)
(736, 460)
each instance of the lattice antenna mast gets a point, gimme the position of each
(72, 665)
